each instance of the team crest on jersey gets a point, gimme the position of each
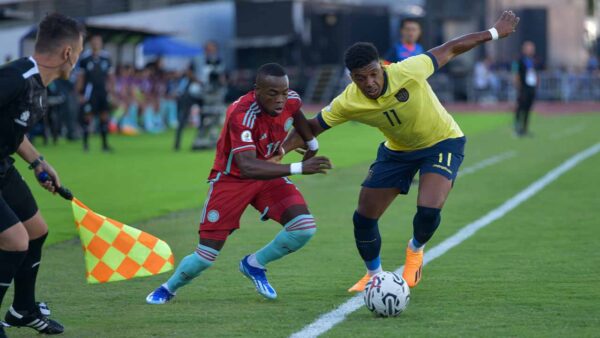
(288, 124)
(213, 216)
(402, 95)
(247, 136)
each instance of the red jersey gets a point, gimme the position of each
(247, 127)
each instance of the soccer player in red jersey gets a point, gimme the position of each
(245, 173)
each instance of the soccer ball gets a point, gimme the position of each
(387, 294)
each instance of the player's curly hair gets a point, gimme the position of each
(270, 69)
(360, 54)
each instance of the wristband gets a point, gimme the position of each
(494, 33)
(313, 144)
(296, 168)
(36, 162)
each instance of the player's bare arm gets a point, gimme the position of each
(506, 25)
(295, 141)
(254, 168)
(305, 131)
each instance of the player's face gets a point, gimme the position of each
(272, 92)
(369, 79)
(96, 43)
(411, 32)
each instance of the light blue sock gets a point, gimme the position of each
(294, 235)
(191, 266)
(415, 245)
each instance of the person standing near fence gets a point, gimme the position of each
(526, 81)
(94, 84)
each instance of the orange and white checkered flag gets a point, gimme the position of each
(115, 251)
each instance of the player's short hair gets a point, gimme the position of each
(407, 20)
(360, 54)
(270, 69)
(54, 30)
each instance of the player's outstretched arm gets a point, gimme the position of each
(254, 168)
(295, 141)
(506, 25)
(303, 128)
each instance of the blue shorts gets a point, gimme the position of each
(396, 169)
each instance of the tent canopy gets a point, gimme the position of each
(167, 46)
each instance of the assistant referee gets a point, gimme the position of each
(23, 103)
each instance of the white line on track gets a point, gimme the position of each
(328, 320)
(486, 163)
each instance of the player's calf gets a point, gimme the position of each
(294, 235)
(368, 241)
(425, 223)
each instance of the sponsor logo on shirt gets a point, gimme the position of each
(22, 120)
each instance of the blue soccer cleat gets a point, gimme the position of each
(159, 296)
(259, 278)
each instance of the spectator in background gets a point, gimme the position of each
(94, 85)
(189, 92)
(485, 81)
(410, 33)
(526, 81)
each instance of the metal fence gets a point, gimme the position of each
(553, 86)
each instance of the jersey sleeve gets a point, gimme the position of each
(11, 85)
(418, 67)
(240, 134)
(294, 102)
(333, 114)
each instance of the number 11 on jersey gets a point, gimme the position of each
(392, 113)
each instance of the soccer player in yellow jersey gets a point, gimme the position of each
(420, 136)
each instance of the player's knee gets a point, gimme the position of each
(425, 222)
(364, 224)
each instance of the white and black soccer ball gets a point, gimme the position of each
(387, 294)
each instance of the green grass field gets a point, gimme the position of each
(534, 272)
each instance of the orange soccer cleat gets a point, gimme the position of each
(360, 285)
(413, 267)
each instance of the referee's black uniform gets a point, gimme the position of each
(527, 85)
(23, 103)
(96, 70)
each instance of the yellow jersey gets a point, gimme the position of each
(408, 113)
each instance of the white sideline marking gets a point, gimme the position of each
(328, 320)
(486, 163)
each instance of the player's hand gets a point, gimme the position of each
(308, 154)
(53, 182)
(316, 165)
(278, 156)
(507, 24)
